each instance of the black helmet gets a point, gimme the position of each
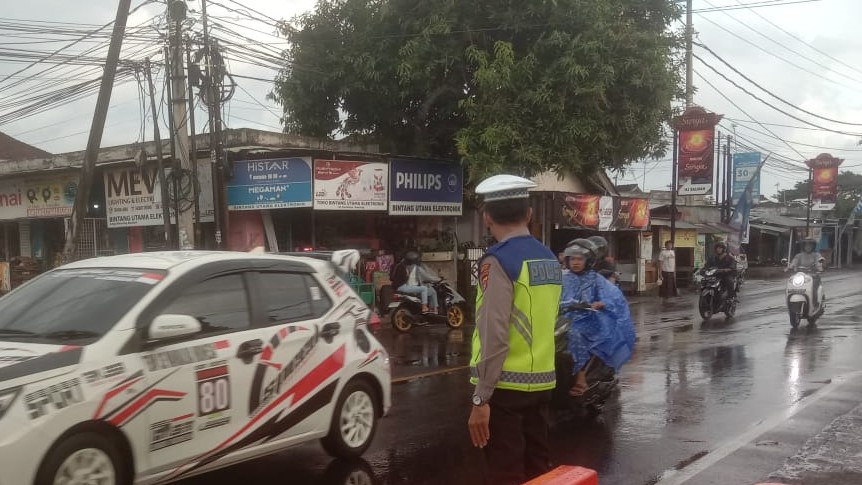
(601, 246)
(808, 244)
(412, 257)
(584, 248)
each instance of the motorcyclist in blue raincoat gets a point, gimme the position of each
(605, 329)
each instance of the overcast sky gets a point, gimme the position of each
(816, 65)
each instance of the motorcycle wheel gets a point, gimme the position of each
(705, 307)
(455, 316)
(731, 310)
(795, 319)
(401, 320)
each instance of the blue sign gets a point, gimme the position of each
(745, 167)
(425, 188)
(270, 184)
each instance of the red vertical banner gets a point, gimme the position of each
(824, 181)
(696, 129)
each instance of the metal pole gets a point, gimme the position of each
(194, 154)
(163, 185)
(689, 68)
(215, 152)
(808, 211)
(728, 173)
(172, 139)
(719, 174)
(94, 142)
(674, 187)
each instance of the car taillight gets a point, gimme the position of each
(374, 321)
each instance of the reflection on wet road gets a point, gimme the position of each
(690, 397)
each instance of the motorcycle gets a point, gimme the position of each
(712, 299)
(405, 309)
(601, 378)
(800, 291)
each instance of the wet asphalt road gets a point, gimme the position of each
(701, 403)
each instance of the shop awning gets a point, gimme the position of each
(715, 228)
(780, 221)
(679, 224)
(773, 230)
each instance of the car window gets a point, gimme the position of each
(320, 302)
(219, 303)
(73, 303)
(285, 296)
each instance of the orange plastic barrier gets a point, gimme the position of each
(567, 475)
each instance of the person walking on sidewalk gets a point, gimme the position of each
(667, 259)
(512, 363)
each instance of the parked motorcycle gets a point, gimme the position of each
(712, 299)
(601, 378)
(405, 309)
(800, 293)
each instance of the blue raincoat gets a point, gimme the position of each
(609, 334)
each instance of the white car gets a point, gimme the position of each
(153, 367)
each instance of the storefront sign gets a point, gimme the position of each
(824, 181)
(745, 169)
(348, 185)
(580, 210)
(632, 214)
(270, 184)
(133, 196)
(685, 238)
(38, 196)
(425, 188)
(696, 134)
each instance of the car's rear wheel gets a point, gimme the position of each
(354, 421)
(84, 459)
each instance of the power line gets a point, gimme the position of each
(767, 103)
(753, 5)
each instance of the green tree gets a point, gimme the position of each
(502, 85)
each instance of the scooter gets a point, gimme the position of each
(799, 292)
(601, 378)
(405, 309)
(712, 299)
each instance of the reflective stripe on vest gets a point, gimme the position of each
(548, 378)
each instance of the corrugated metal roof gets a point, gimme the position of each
(781, 221)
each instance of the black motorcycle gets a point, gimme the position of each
(405, 309)
(713, 297)
(601, 378)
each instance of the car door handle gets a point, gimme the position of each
(330, 331)
(249, 349)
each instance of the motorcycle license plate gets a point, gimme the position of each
(796, 292)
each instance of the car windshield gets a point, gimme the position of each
(73, 304)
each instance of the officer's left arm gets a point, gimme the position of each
(492, 323)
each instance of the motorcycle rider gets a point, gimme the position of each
(607, 335)
(726, 265)
(410, 276)
(810, 260)
(605, 265)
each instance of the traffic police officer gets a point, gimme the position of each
(512, 363)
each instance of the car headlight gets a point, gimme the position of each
(797, 280)
(7, 397)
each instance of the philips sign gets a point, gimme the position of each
(423, 187)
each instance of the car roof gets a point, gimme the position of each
(166, 260)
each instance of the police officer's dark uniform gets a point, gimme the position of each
(512, 363)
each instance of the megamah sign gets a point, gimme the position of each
(425, 188)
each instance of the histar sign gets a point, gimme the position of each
(425, 188)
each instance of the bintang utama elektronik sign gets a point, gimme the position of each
(696, 146)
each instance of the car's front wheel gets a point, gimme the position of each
(84, 459)
(354, 421)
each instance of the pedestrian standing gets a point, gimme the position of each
(512, 362)
(667, 259)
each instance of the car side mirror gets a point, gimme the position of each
(172, 326)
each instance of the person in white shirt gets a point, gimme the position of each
(667, 258)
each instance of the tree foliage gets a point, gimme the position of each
(522, 86)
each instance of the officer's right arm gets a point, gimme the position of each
(492, 323)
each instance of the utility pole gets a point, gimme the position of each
(163, 184)
(728, 169)
(810, 194)
(689, 68)
(719, 174)
(674, 186)
(177, 11)
(213, 101)
(194, 152)
(97, 128)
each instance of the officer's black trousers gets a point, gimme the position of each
(518, 449)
